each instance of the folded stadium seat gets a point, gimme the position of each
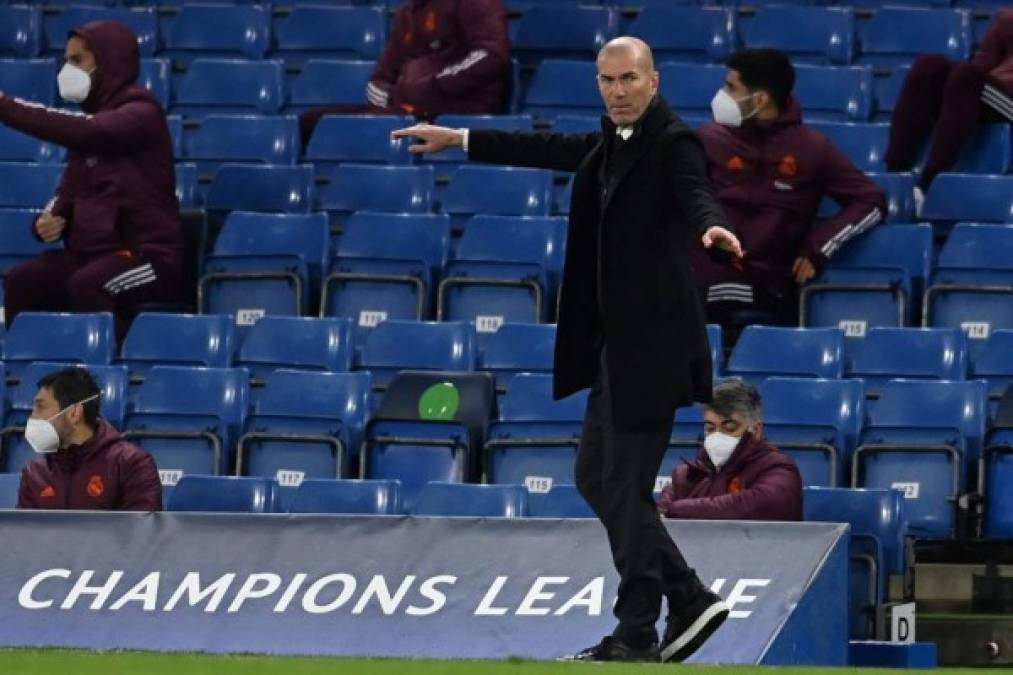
(196, 340)
(225, 494)
(972, 284)
(842, 93)
(767, 351)
(156, 77)
(684, 444)
(18, 242)
(689, 87)
(455, 156)
(175, 123)
(994, 362)
(828, 38)
(878, 530)
(996, 472)
(359, 138)
(498, 191)
(20, 31)
(431, 426)
(249, 187)
(484, 501)
(329, 82)
(886, 86)
(58, 22)
(899, 190)
(906, 353)
(561, 199)
(217, 139)
(863, 143)
(229, 86)
(896, 35)
(577, 124)
(9, 486)
(535, 440)
(991, 199)
(562, 87)
(187, 191)
(295, 343)
(875, 280)
(28, 185)
(385, 266)
(705, 34)
(264, 264)
(368, 187)
(304, 425)
(14, 449)
(189, 419)
(30, 79)
(18, 147)
(921, 438)
(816, 422)
(562, 501)
(562, 31)
(45, 336)
(329, 32)
(518, 348)
(506, 269)
(395, 345)
(716, 339)
(237, 31)
(364, 497)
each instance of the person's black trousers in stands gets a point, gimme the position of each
(615, 472)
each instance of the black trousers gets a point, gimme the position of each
(615, 472)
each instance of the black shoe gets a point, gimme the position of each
(611, 649)
(688, 629)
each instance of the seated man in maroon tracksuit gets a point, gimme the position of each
(770, 173)
(737, 475)
(115, 208)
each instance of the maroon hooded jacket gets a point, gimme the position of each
(105, 473)
(756, 483)
(995, 54)
(770, 178)
(444, 56)
(118, 192)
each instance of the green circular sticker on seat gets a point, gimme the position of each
(439, 402)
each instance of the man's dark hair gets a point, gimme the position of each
(72, 385)
(768, 70)
(736, 396)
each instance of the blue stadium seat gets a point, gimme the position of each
(143, 21)
(17, 239)
(518, 348)
(499, 191)
(367, 187)
(417, 345)
(71, 338)
(562, 31)
(716, 338)
(989, 150)
(841, 93)
(908, 353)
(948, 198)
(506, 269)
(921, 437)
(895, 35)
(261, 188)
(899, 190)
(186, 185)
(241, 138)
(359, 138)
(264, 264)
(217, 30)
(24, 185)
(175, 123)
(346, 32)
(366, 497)
(689, 87)
(562, 501)
(685, 33)
(500, 122)
(177, 339)
(996, 471)
(577, 124)
(230, 86)
(225, 494)
(766, 351)
(156, 77)
(385, 267)
(816, 422)
(563, 87)
(20, 31)
(875, 280)
(304, 425)
(994, 362)
(330, 82)
(886, 88)
(30, 79)
(189, 419)
(486, 501)
(863, 143)
(828, 38)
(9, 482)
(296, 343)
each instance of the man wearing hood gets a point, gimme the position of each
(770, 173)
(83, 461)
(737, 475)
(115, 209)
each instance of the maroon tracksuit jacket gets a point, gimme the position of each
(757, 483)
(105, 473)
(770, 178)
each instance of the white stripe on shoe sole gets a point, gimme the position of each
(694, 629)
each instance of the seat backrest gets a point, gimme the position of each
(521, 347)
(957, 406)
(421, 344)
(980, 246)
(511, 239)
(996, 355)
(20, 31)
(360, 138)
(363, 187)
(970, 197)
(261, 188)
(196, 340)
(369, 497)
(297, 342)
(112, 381)
(74, 338)
(9, 482)
(583, 30)
(361, 31)
(897, 34)
(231, 85)
(561, 501)
(560, 83)
(223, 393)
(25, 185)
(142, 21)
(244, 138)
(835, 92)
(234, 29)
(297, 393)
(905, 247)
(225, 494)
(18, 147)
(448, 396)
(529, 399)
(873, 513)
(504, 191)
(155, 76)
(839, 404)
(811, 352)
(934, 353)
(899, 190)
(687, 32)
(396, 236)
(689, 87)
(304, 235)
(17, 240)
(829, 36)
(864, 143)
(331, 82)
(29, 79)
(460, 499)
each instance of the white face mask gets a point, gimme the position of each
(719, 447)
(726, 109)
(74, 83)
(42, 435)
